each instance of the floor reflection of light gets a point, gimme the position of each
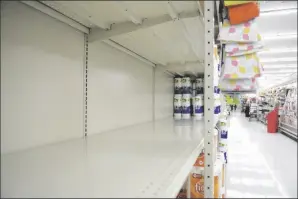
(237, 194)
(259, 170)
(273, 196)
(253, 182)
(245, 162)
(253, 195)
(233, 194)
(258, 182)
(279, 186)
(235, 180)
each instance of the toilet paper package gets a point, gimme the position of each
(186, 110)
(186, 85)
(199, 86)
(193, 89)
(199, 106)
(177, 106)
(178, 85)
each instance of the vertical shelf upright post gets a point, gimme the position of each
(209, 99)
(85, 87)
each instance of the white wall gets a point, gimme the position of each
(164, 92)
(41, 79)
(119, 89)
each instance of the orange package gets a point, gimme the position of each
(242, 13)
(197, 185)
(200, 160)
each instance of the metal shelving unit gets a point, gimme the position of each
(148, 160)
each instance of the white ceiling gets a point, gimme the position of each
(178, 45)
(280, 59)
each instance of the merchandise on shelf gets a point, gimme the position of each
(186, 85)
(186, 106)
(199, 86)
(183, 191)
(197, 176)
(178, 85)
(199, 106)
(223, 138)
(289, 115)
(178, 106)
(191, 101)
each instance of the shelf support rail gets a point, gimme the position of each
(209, 99)
(85, 87)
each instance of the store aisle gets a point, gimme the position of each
(259, 164)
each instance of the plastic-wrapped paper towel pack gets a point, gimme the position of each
(177, 106)
(186, 109)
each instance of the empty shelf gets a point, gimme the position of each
(147, 160)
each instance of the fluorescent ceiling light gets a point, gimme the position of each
(279, 59)
(285, 50)
(280, 36)
(275, 74)
(280, 66)
(280, 72)
(279, 12)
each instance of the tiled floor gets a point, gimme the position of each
(260, 164)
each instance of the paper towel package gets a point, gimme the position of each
(186, 85)
(186, 109)
(178, 85)
(177, 106)
(199, 106)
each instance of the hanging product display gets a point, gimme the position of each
(243, 41)
(237, 49)
(233, 3)
(244, 12)
(238, 84)
(245, 32)
(241, 67)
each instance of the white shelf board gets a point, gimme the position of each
(145, 160)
